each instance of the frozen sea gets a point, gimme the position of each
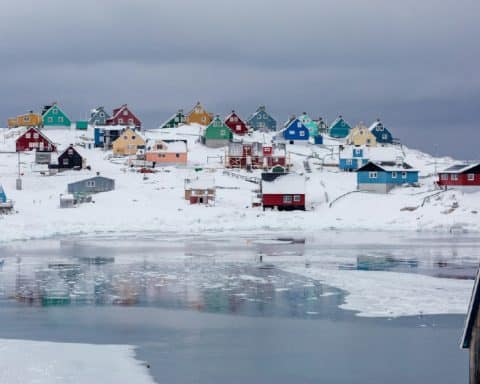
(206, 309)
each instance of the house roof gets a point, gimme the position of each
(290, 183)
(472, 313)
(460, 168)
(117, 111)
(260, 109)
(92, 178)
(376, 154)
(52, 106)
(180, 111)
(375, 125)
(201, 183)
(387, 166)
(40, 134)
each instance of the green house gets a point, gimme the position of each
(81, 124)
(310, 124)
(176, 120)
(53, 116)
(216, 134)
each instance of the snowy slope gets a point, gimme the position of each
(157, 204)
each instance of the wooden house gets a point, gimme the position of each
(69, 159)
(91, 185)
(255, 155)
(125, 117)
(165, 153)
(200, 191)
(361, 135)
(309, 123)
(53, 116)
(216, 134)
(104, 136)
(236, 124)
(33, 139)
(283, 191)
(471, 333)
(29, 119)
(339, 128)
(175, 121)
(98, 116)
(295, 132)
(382, 177)
(262, 121)
(353, 157)
(381, 133)
(465, 177)
(198, 115)
(128, 143)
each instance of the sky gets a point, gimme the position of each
(414, 64)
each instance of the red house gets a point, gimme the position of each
(255, 155)
(123, 116)
(462, 176)
(283, 191)
(236, 124)
(33, 139)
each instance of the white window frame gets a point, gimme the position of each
(372, 175)
(90, 183)
(287, 199)
(394, 174)
(302, 133)
(454, 177)
(404, 175)
(296, 198)
(471, 177)
(444, 176)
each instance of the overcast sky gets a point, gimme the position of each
(415, 64)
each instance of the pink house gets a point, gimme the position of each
(164, 153)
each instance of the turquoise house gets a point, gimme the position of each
(382, 177)
(339, 128)
(309, 123)
(3, 196)
(262, 121)
(53, 116)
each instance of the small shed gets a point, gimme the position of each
(43, 157)
(200, 191)
(283, 191)
(81, 124)
(67, 201)
(471, 332)
(94, 184)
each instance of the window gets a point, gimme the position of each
(204, 118)
(35, 136)
(102, 114)
(372, 175)
(291, 132)
(296, 198)
(349, 161)
(60, 119)
(55, 111)
(125, 113)
(394, 175)
(120, 121)
(130, 121)
(444, 176)
(90, 183)
(299, 125)
(404, 175)
(222, 132)
(238, 127)
(125, 137)
(133, 137)
(28, 135)
(368, 141)
(50, 119)
(177, 155)
(65, 162)
(454, 177)
(471, 177)
(70, 152)
(26, 118)
(384, 136)
(302, 133)
(380, 127)
(287, 199)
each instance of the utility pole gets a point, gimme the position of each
(19, 180)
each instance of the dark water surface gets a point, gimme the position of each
(205, 310)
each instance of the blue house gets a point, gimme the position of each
(98, 116)
(382, 177)
(295, 131)
(339, 128)
(352, 158)
(104, 136)
(382, 134)
(262, 121)
(3, 196)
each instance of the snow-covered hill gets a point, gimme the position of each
(157, 203)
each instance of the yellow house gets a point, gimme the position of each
(128, 143)
(199, 115)
(361, 135)
(29, 119)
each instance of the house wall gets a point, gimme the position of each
(382, 136)
(126, 118)
(167, 157)
(262, 121)
(351, 164)
(386, 178)
(203, 118)
(462, 179)
(377, 188)
(238, 127)
(340, 129)
(99, 117)
(55, 117)
(361, 137)
(276, 200)
(101, 185)
(296, 131)
(127, 143)
(35, 141)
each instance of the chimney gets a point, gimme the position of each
(98, 173)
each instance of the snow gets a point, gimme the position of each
(285, 184)
(156, 203)
(40, 362)
(393, 294)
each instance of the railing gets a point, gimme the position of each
(250, 179)
(341, 197)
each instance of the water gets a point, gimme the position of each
(203, 310)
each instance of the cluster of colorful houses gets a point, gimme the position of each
(121, 132)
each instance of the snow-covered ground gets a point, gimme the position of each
(157, 203)
(40, 362)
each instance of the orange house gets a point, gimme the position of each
(29, 119)
(167, 153)
(199, 115)
(128, 143)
